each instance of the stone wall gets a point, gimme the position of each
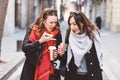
(9, 26)
(115, 26)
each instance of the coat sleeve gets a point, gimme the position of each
(29, 47)
(58, 41)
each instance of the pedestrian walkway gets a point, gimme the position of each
(111, 50)
(10, 57)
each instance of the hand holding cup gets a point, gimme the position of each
(53, 52)
(61, 49)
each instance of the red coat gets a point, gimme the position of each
(33, 54)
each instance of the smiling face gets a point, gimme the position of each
(74, 27)
(50, 22)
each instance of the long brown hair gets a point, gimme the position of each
(43, 16)
(88, 26)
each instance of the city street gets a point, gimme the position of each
(107, 37)
(110, 48)
(17, 15)
(109, 73)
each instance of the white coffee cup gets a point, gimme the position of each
(52, 48)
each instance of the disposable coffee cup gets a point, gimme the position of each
(62, 47)
(51, 49)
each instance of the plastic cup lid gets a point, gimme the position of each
(52, 47)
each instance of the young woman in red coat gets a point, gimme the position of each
(43, 33)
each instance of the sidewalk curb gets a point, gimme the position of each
(11, 68)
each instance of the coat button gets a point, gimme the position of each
(91, 63)
(92, 75)
(88, 51)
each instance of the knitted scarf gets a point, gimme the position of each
(45, 68)
(80, 45)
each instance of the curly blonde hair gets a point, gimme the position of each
(43, 16)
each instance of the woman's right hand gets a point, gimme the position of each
(46, 37)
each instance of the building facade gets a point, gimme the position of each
(108, 10)
(17, 13)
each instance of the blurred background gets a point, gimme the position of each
(17, 15)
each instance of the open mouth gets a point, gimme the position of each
(73, 30)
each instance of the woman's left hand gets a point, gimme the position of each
(61, 49)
